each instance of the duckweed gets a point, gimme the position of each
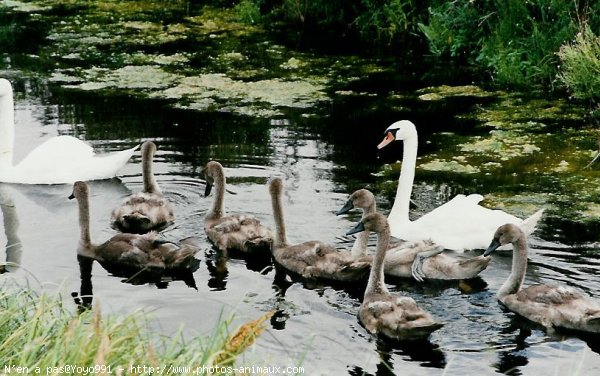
(195, 57)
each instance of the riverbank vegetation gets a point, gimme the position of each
(534, 45)
(40, 330)
(515, 44)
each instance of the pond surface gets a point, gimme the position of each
(314, 322)
(323, 148)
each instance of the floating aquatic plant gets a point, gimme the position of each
(437, 93)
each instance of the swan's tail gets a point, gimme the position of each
(107, 166)
(529, 224)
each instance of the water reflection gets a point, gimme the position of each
(523, 338)
(511, 359)
(323, 160)
(85, 297)
(281, 314)
(424, 352)
(216, 264)
(14, 247)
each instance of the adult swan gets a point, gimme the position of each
(60, 160)
(459, 224)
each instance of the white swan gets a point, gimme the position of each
(396, 317)
(549, 305)
(60, 160)
(460, 223)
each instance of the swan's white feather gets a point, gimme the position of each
(459, 224)
(60, 160)
(64, 160)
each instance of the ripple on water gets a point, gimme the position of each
(313, 321)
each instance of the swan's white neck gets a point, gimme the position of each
(376, 283)
(399, 214)
(519, 267)
(7, 128)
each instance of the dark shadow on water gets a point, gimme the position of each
(511, 360)
(161, 278)
(592, 340)
(84, 298)
(280, 287)
(424, 352)
(435, 287)
(284, 279)
(216, 263)
(281, 283)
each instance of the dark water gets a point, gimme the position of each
(321, 162)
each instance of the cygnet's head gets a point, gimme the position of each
(275, 186)
(212, 170)
(505, 234)
(361, 199)
(148, 148)
(80, 190)
(373, 222)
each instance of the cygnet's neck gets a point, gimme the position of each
(280, 233)
(84, 221)
(217, 210)
(359, 248)
(376, 283)
(150, 185)
(519, 267)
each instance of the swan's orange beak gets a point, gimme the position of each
(389, 137)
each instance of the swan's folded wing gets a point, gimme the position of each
(461, 223)
(66, 159)
(63, 150)
(549, 294)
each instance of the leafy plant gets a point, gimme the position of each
(384, 20)
(248, 11)
(454, 28)
(580, 65)
(42, 333)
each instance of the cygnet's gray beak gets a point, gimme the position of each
(360, 226)
(208, 188)
(492, 247)
(346, 208)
